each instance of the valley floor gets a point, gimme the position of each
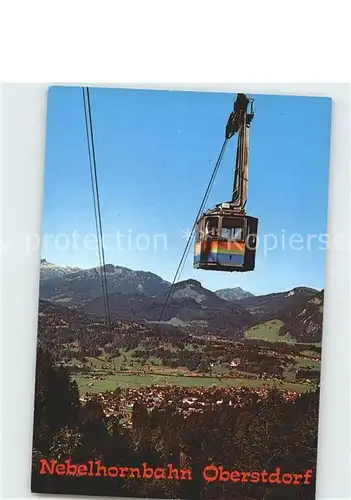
(90, 383)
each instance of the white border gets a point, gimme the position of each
(24, 121)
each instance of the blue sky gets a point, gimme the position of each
(155, 153)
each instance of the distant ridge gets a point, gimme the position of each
(231, 294)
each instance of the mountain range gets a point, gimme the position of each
(140, 296)
(190, 305)
(76, 286)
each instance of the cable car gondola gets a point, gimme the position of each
(226, 237)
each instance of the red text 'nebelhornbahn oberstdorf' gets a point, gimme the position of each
(210, 473)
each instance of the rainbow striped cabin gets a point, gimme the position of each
(226, 253)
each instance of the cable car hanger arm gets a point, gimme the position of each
(239, 122)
